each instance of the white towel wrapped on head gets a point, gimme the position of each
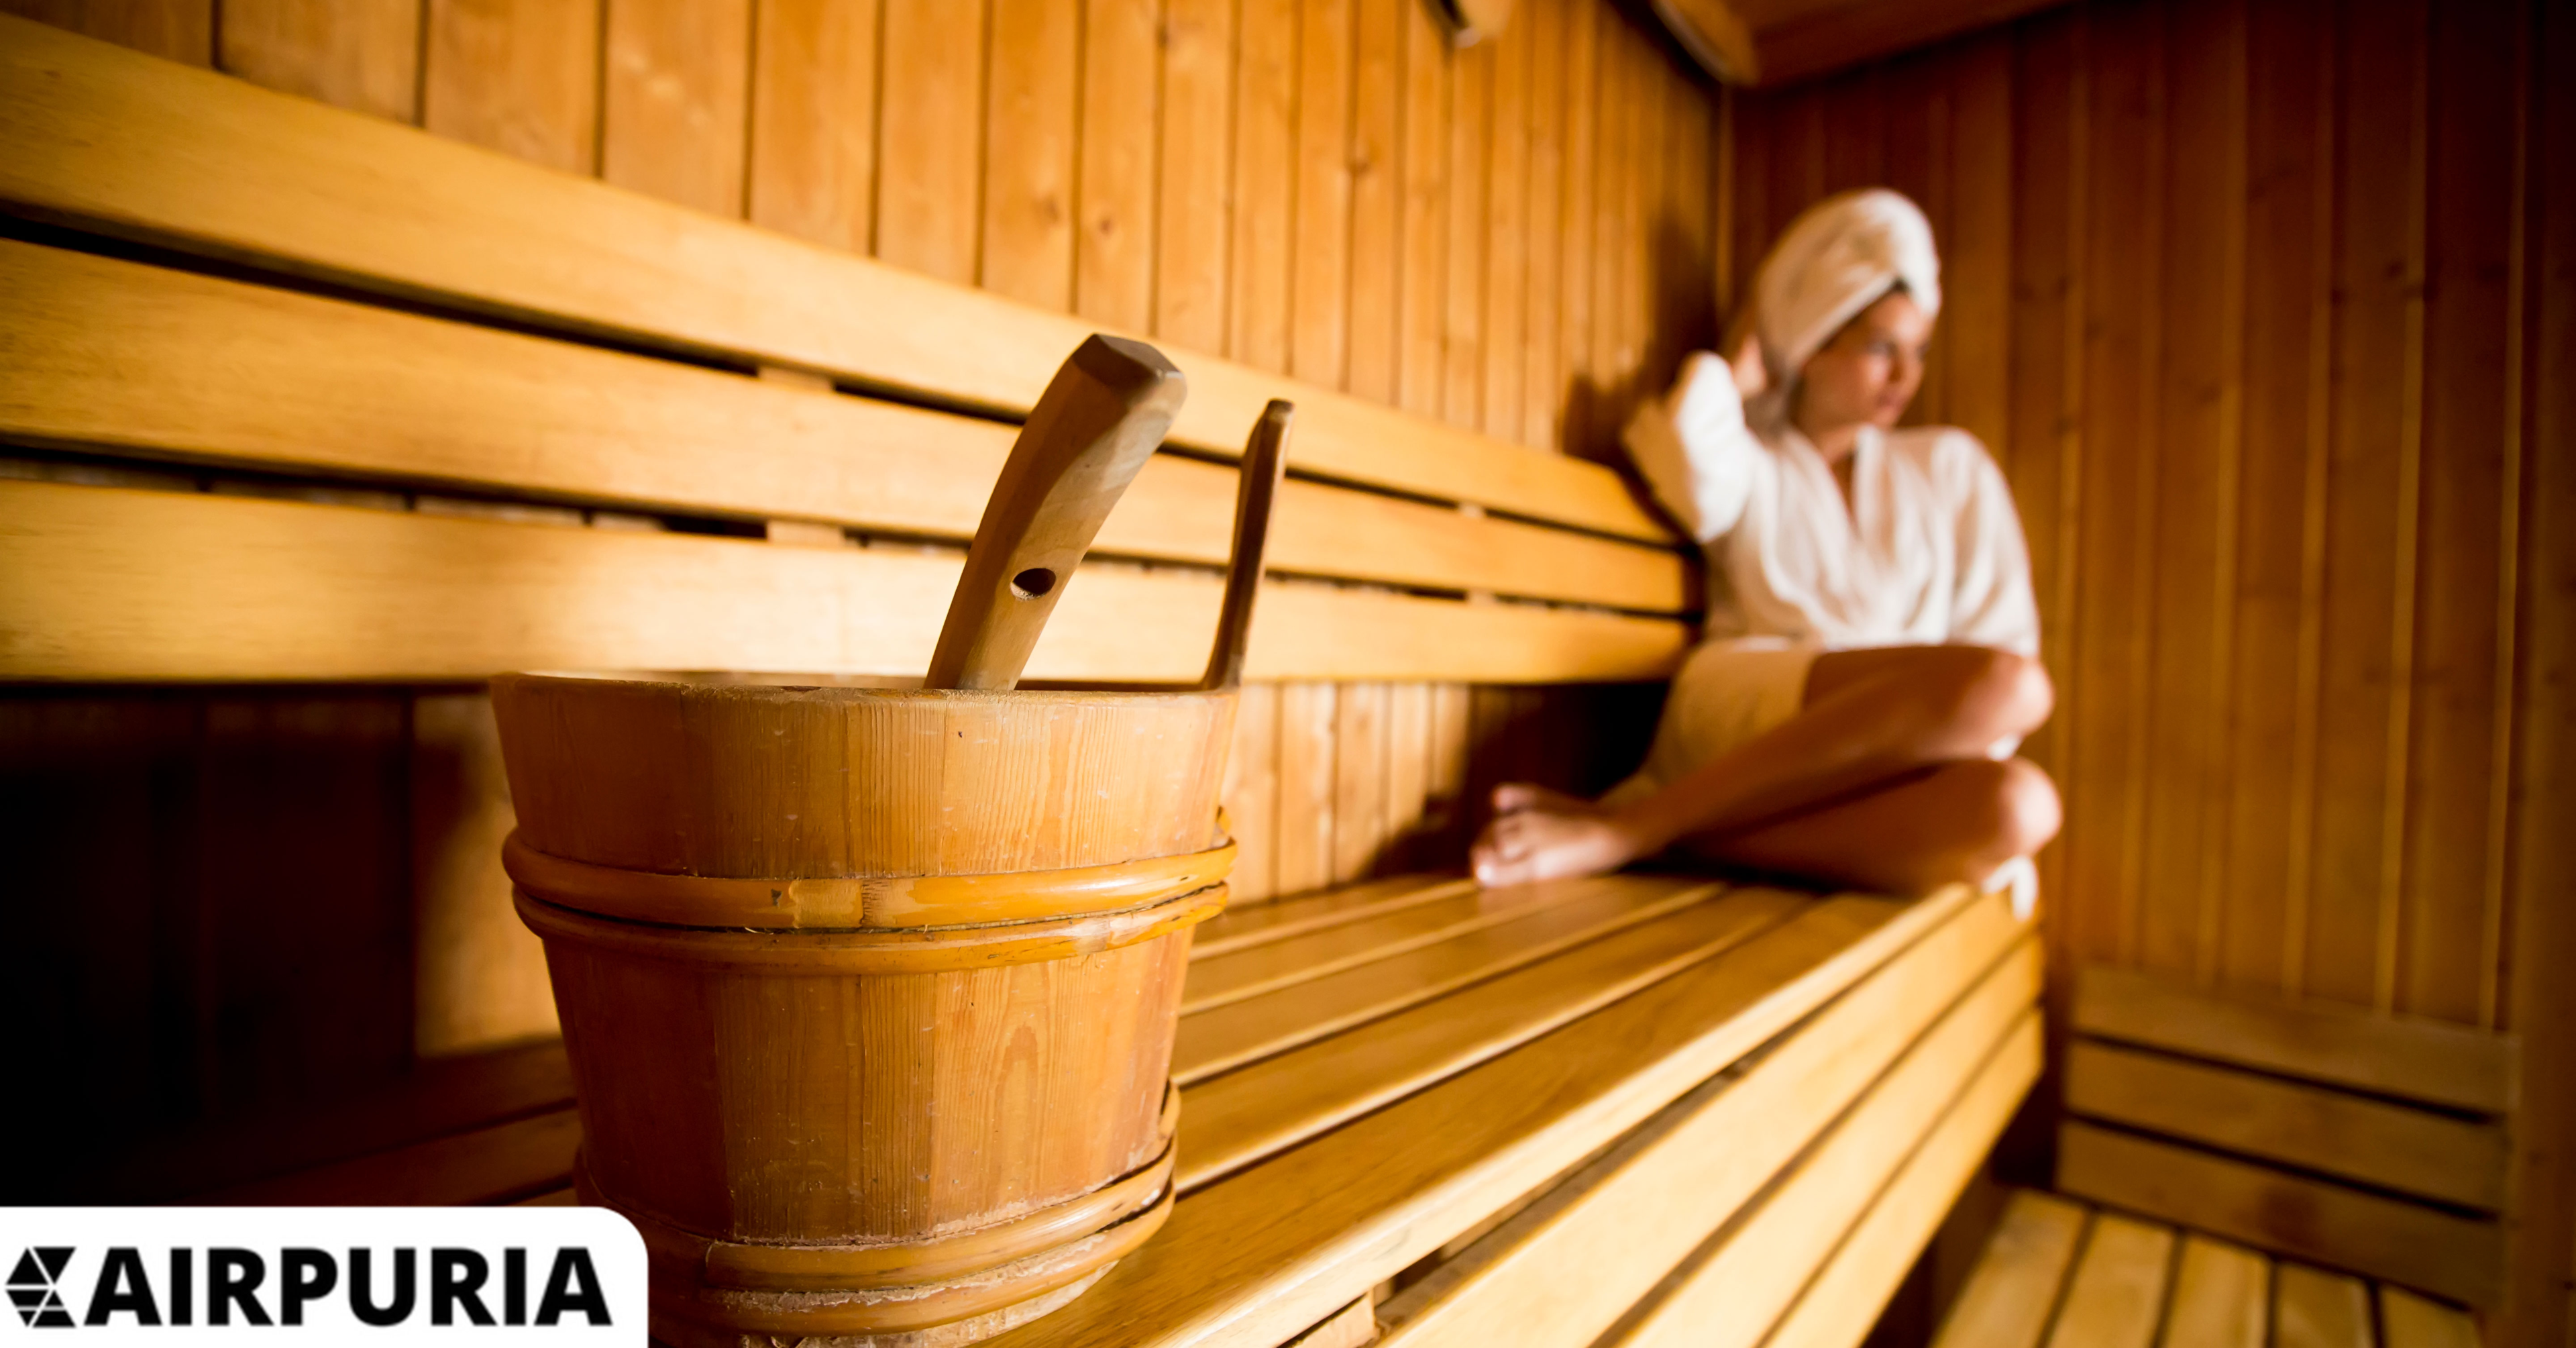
(1836, 259)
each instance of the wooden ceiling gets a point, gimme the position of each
(1773, 42)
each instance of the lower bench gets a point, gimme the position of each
(1579, 1111)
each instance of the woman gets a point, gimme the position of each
(1871, 660)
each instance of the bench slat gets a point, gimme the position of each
(2119, 1286)
(2409, 1321)
(99, 583)
(1257, 1258)
(2312, 1308)
(1848, 1293)
(2424, 1060)
(484, 1165)
(1238, 1118)
(2011, 1294)
(1586, 1258)
(1222, 1038)
(105, 352)
(1247, 925)
(2221, 1296)
(2275, 1210)
(1239, 975)
(114, 140)
(2392, 1146)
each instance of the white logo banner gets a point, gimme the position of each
(80, 1277)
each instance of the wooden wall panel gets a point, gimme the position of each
(812, 170)
(674, 108)
(1029, 127)
(517, 76)
(930, 136)
(363, 55)
(1113, 278)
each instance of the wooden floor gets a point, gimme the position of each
(2069, 1275)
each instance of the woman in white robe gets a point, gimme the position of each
(1871, 658)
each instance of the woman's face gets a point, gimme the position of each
(1869, 371)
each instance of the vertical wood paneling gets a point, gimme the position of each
(1462, 333)
(1307, 781)
(2444, 942)
(1570, 394)
(1265, 182)
(1320, 247)
(1544, 222)
(1378, 86)
(1113, 260)
(1409, 749)
(1977, 257)
(930, 136)
(480, 974)
(363, 55)
(2287, 165)
(518, 76)
(1421, 377)
(1029, 126)
(2109, 638)
(1612, 237)
(1194, 209)
(1252, 793)
(2195, 458)
(1361, 822)
(814, 121)
(2369, 488)
(177, 30)
(675, 100)
(1506, 281)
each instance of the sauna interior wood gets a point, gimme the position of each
(357, 354)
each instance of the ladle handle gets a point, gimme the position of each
(1098, 421)
(1265, 458)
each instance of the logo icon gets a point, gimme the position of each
(31, 1286)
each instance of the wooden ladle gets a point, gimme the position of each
(1098, 421)
(1264, 459)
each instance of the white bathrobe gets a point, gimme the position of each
(1929, 549)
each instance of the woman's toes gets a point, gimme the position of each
(1513, 797)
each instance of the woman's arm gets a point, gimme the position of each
(1693, 445)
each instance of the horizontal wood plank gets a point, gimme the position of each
(2284, 1213)
(1259, 1257)
(2312, 1308)
(2221, 1298)
(2391, 1146)
(2414, 1059)
(497, 1163)
(106, 584)
(2118, 1289)
(1225, 1037)
(1218, 980)
(1238, 1118)
(2011, 1294)
(1900, 1045)
(1847, 1294)
(102, 352)
(112, 140)
(1243, 925)
(2409, 1321)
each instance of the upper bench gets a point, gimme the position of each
(206, 273)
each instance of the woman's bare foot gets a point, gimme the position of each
(1538, 834)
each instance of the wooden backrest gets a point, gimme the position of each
(2368, 1142)
(231, 279)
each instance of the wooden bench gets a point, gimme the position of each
(2329, 1136)
(304, 396)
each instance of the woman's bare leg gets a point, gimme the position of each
(1870, 717)
(1952, 823)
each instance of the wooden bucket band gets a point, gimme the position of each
(894, 902)
(917, 1284)
(863, 951)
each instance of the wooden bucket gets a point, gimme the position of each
(869, 995)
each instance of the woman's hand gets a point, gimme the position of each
(1744, 357)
